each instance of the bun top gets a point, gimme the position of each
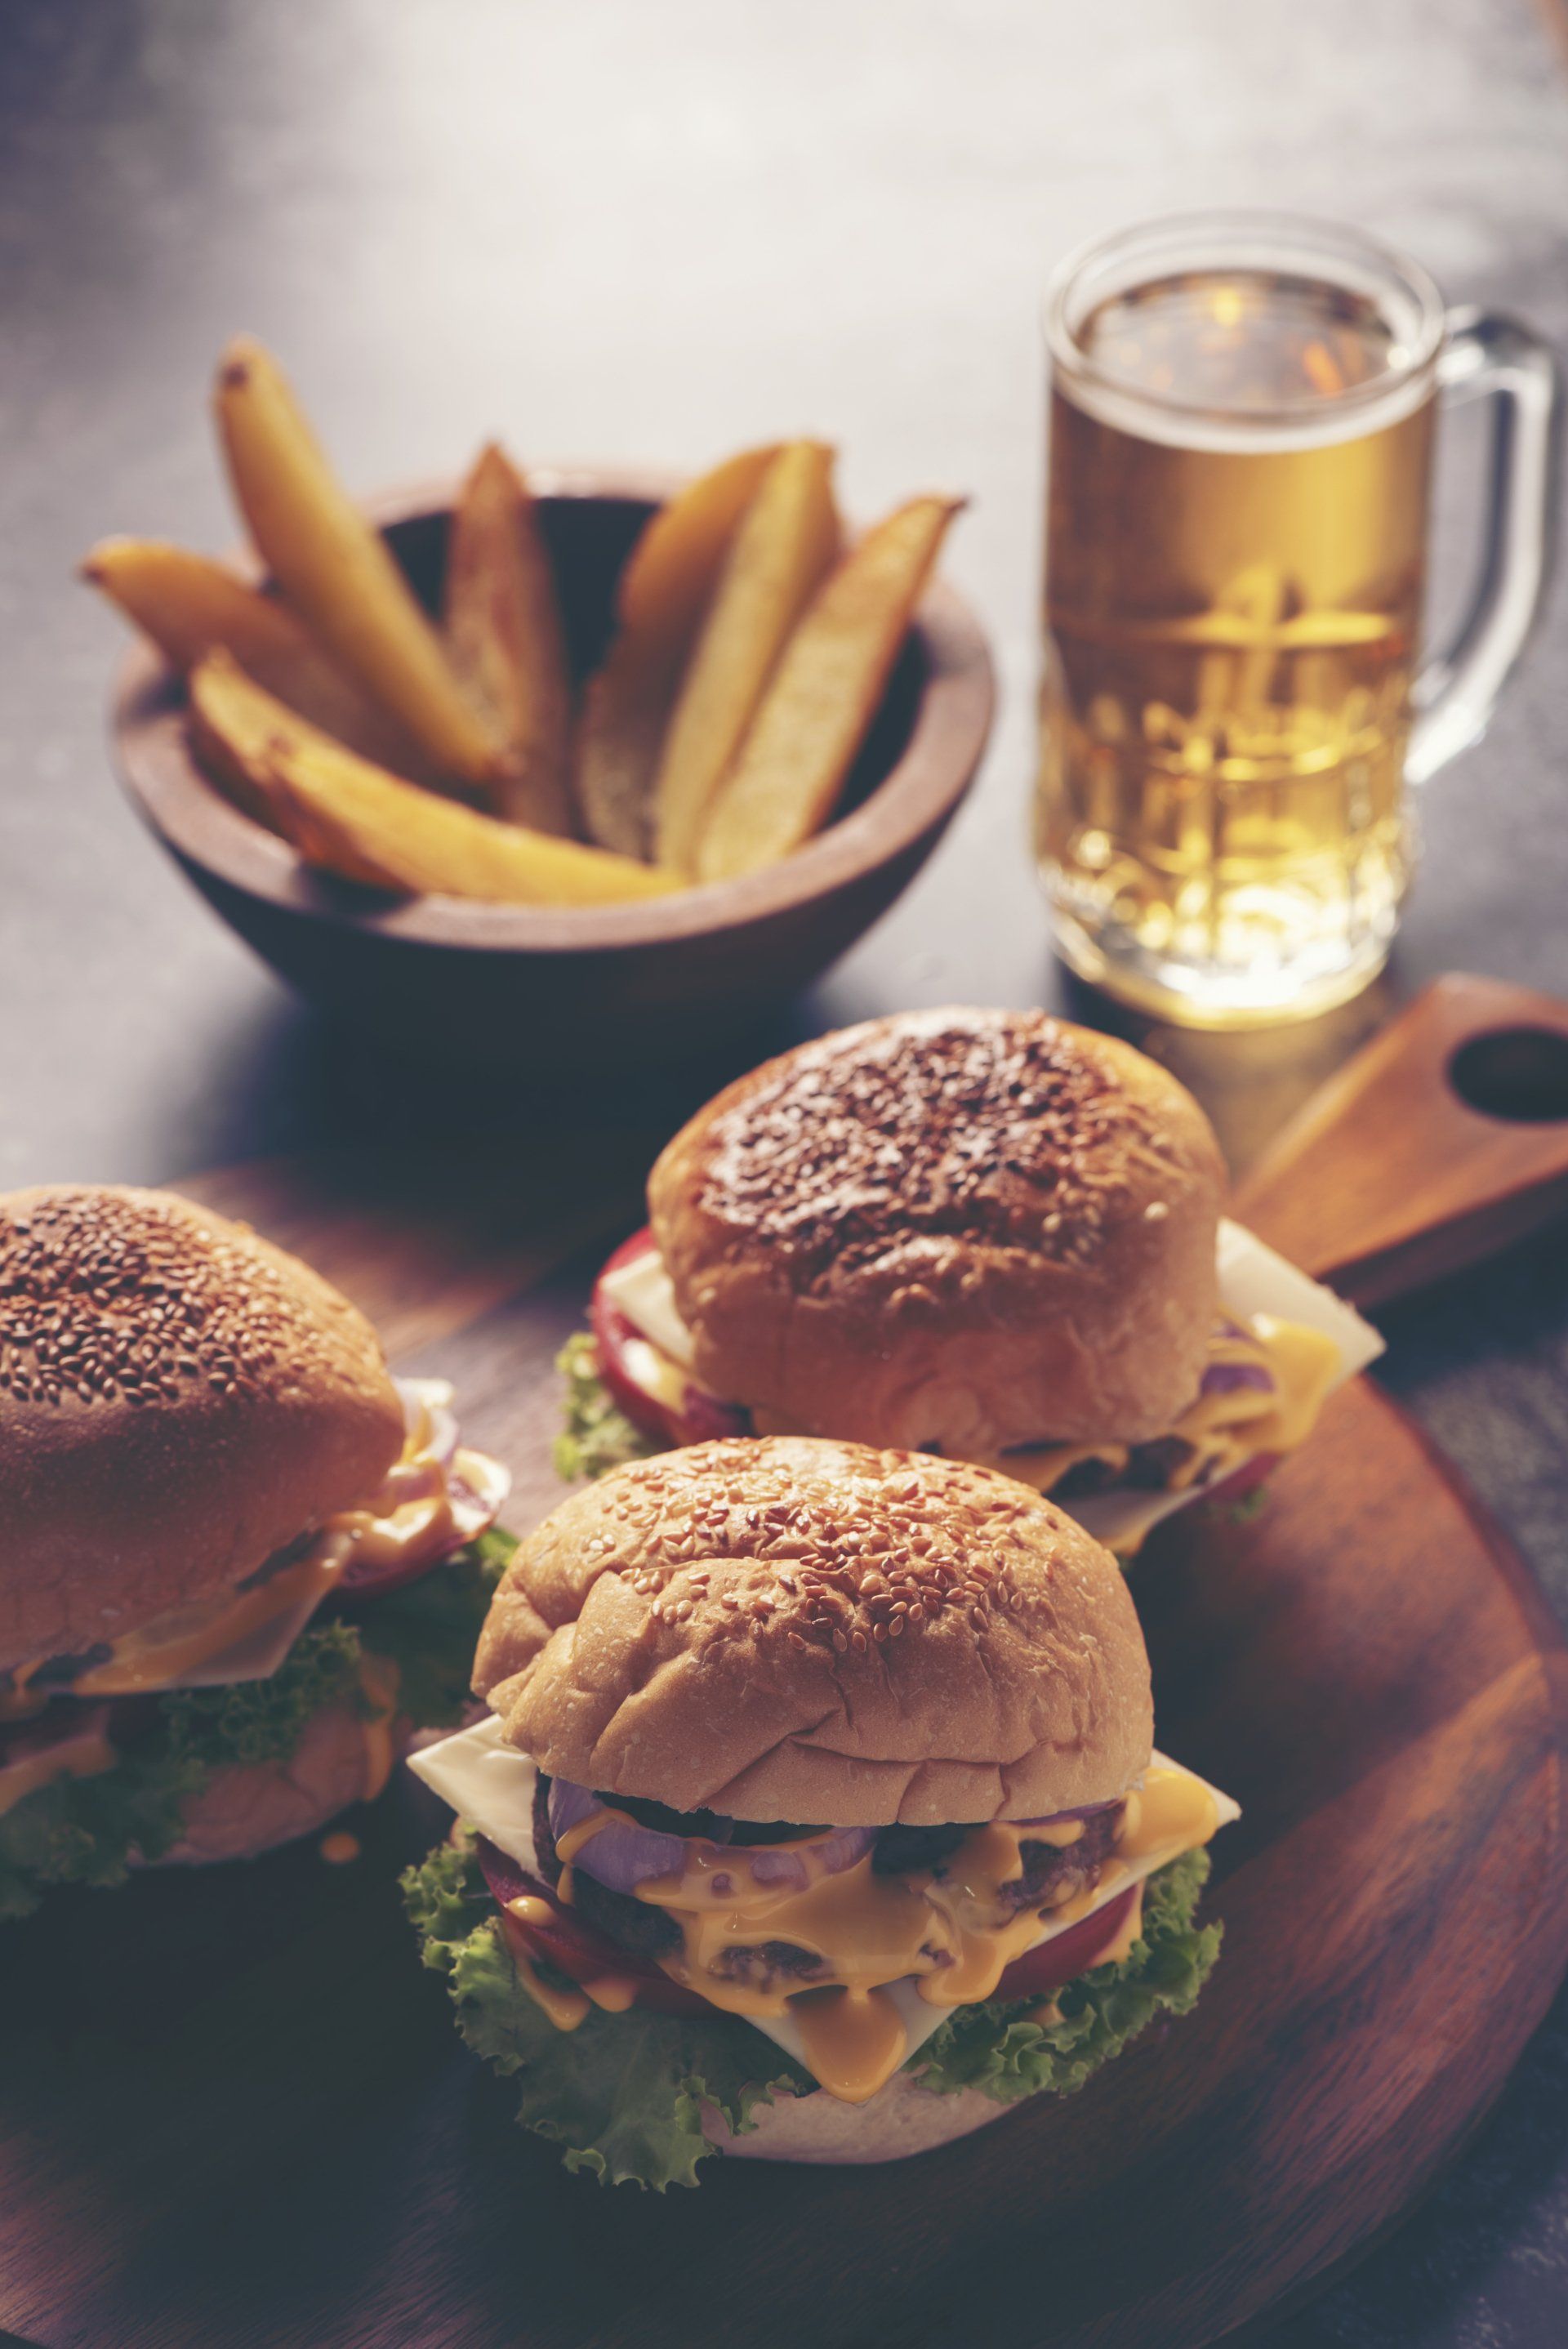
(956, 1230)
(178, 1400)
(782, 1627)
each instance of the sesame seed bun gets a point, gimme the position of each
(783, 1627)
(901, 2119)
(179, 1400)
(956, 1230)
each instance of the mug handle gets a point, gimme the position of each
(1490, 357)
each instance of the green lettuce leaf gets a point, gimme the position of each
(430, 1629)
(993, 2048)
(83, 1830)
(623, 2093)
(598, 1436)
(260, 1720)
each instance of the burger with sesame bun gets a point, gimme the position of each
(237, 1557)
(816, 1815)
(987, 1233)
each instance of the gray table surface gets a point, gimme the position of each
(655, 229)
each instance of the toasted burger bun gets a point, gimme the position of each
(248, 1807)
(954, 1230)
(782, 1628)
(178, 1400)
(899, 2120)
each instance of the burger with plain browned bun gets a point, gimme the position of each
(237, 1559)
(987, 1233)
(816, 1815)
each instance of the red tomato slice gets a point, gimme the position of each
(1243, 1480)
(574, 1948)
(1060, 1960)
(701, 1415)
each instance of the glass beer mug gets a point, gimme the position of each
(1233, 704)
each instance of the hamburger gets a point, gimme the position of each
(238, 1558)
(816, 1815)
(987, 1233)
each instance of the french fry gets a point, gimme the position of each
(664, 590)
(824, 693)
(188, 606)
(783, 548)
(503, 633)
(354, 819)
(336, 568)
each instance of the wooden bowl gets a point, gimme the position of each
(542, 986)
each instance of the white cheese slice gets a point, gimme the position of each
(491, 1784)
(486, 1782)
(643, 1290)
(1253, 1278)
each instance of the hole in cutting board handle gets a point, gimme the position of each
(1520, 1074)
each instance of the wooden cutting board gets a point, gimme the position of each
(235, 2114)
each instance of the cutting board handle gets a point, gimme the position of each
(1443, 1140)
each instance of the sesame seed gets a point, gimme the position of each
(106, 1297)
(1000, 1127)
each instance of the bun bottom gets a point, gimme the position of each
(249, 1807)
(901, 2119)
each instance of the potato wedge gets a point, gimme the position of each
(336, 569)
(354, 819)
(188, 604)
(824, 693)
(503, 633)
(664, 590)
(784, 547)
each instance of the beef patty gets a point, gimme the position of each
(1052, 1874)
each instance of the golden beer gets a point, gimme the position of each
(1235, 559)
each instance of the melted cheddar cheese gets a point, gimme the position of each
(947, 1931)
(565, 2006)
(378, 1678)
(160, 1654)
(1222, 1431)
(413, 1519)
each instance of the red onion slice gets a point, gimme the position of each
(1237, 1378)
(476, 1489)
(623, 1855)
(569, 1806)
(778, 1864)
(506, 1879)
(427, 1410)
